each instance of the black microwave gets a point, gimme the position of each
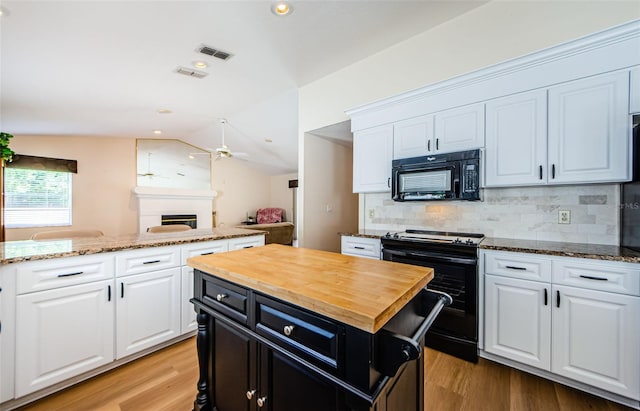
(450, 176)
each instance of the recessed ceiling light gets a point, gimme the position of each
(281, 8)
(200, 64)
(268, 140)
(157, 131)
(164, 111)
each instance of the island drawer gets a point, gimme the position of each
(225, 297)
(316, 338)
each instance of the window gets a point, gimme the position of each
(36, 198)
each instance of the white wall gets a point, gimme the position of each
(241, 190)
(492, 33)
(101, 190)
(281, 195)
(330, 205)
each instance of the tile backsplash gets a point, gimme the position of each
(529, 213)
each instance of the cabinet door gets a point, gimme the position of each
(459, 129)
(147, 310)
(589, 135)
(518, 320)
(372, 156)
(516, 140)
(287, 386)
(596, 339)
(234, 369)
(188, 314)
(62, 333)
(413, 137)
(634, 97)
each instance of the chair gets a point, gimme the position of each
(58, 234)
(169, 228)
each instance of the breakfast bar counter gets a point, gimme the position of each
(290, 328)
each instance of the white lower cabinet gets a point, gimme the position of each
(596, 339)
(518, 320)
(361, 246)
(147, 310)
(586, 333)
(62, 333)
(187, 312)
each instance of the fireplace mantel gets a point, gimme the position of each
(153, 202)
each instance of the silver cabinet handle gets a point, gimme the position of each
(221, 297)
(262, 401)
(250, 394)
(288, 329)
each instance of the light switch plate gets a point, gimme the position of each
(564, 216)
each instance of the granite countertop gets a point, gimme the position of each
(29, 250)
(366, 233)
(361, 292)
(592, 251)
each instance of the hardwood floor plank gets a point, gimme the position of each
(166, 381)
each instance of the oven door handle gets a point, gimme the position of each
(433, 257)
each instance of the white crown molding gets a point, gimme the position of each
(586, 44)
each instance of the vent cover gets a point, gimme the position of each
(191, 72)
(210, 51)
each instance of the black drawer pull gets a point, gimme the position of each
(108, 293)
(70, 274)
(248, 246)
(513, 267)
(545, 296)
(151, 262)
(558, 299)
(121, 290)
(357, 247)
(209, 253)
(429, 145)
(553, 171)
(588, 277)
(540, 172)
(437, 144)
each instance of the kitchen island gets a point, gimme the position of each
(282, 328)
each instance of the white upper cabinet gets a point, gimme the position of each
(516, 140)
(413, 137)
(589, 130)
(372, 155)
(634, 97)
(459, 129)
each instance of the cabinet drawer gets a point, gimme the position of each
(361, 246)
(516, 265)
(612, 277)
(246, 242)
(206, 248)
(310, 335)
(62, 272)
(147, 259)
(225, 297)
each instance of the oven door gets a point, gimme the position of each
(454, 275)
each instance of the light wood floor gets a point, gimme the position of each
(166, 381)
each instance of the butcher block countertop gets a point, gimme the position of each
(360, 292)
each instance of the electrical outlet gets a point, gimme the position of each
(564, 217)
(372, 213)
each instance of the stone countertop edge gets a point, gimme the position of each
(365, 233)
(553, 248)
(30, 250)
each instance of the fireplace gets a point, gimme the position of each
(189, 219)
(159, 206)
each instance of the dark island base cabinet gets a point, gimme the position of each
(243, 370)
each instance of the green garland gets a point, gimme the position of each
(5, 152)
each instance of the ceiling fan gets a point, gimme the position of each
(224, 151)
(149, 173)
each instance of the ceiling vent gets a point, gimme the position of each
(210, 51)
(191, 72)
